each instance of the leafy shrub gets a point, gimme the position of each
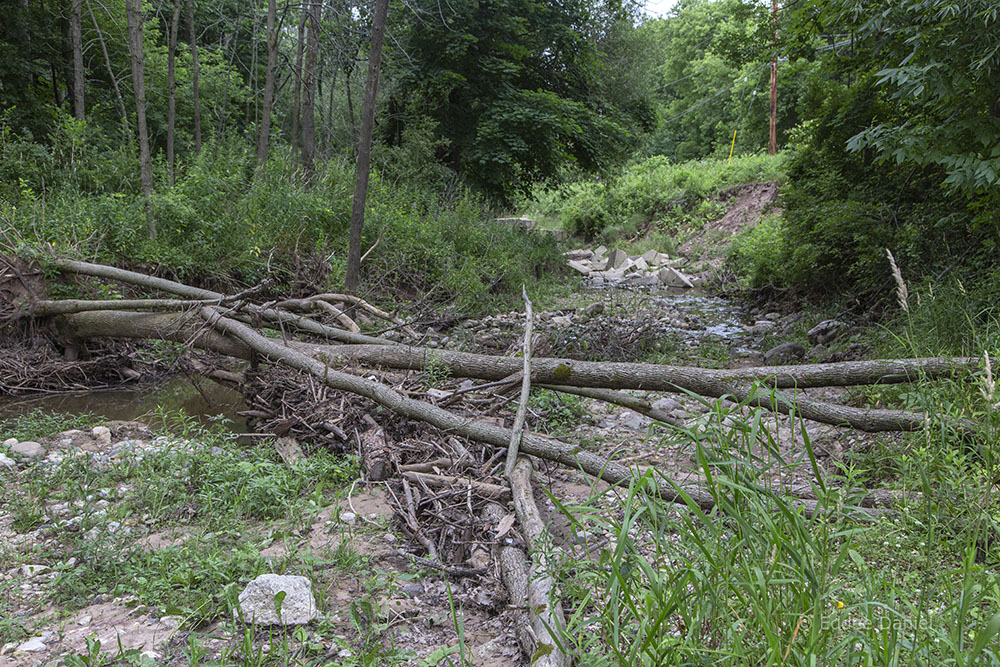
(756, 252)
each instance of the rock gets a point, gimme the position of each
(667, 404)
(633, 420)
(413, 589)
(640, 264)
(102, 434)
(7, 462)
(438, 394)
(593, 309)
(784, 354)
(773, 317)
(616, 260)
(761, 327)
(640, 280)
(348, 517)
(826, 332)
(673, 278)
(28, 449)
(562, 320)
(579, 267)
(817, 352)
(10, 442)
(257, 600)
(649, 256)
(30, 571)
(580, 253)
(32, 645)
(599, 251)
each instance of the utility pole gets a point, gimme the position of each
(773, 145)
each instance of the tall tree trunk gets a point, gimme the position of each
(351, 126)
(133, 17)
(192, 40)
(66, 48)
(297, 94)
(272, 58)
(309, 94)
(119, 100)
(171, 90)
(76, 39)
(365, 148)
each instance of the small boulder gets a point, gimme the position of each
(7, 462)
(826, 332)
(600, 250)
(10, 442)
(634, 421)
(673, 278)
(562, 320)
(616, 260)
(785, 353)
(28, 449)
(29, 570)
(667, 404)
(580, 253)
(650, 256)
(33, 645)
(761, 327)
(102, 434)
(579, 267)
(257, 601)
(594, 309)
(640, 264)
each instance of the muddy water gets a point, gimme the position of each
(207, 402)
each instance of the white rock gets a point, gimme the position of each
(673, 278)
(633, 420)
(579, 267)
(10, 442)
(640, 264)
(562, 320)
(28, 449)
(33, 644)
(29, 570)
(616, 260)
(102, 434)
(257, 600)
(348, 517)
(650, 256)
(7, 462)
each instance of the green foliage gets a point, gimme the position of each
(225, 220)
(38, 423)
(654, 193)
(517, 90)
(713, 80)
(843, 209)
(756, 253)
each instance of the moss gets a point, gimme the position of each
(562, 372)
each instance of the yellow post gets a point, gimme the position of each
(731, 148)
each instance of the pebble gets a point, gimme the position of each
(348, 517)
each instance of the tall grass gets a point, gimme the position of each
(758, 581)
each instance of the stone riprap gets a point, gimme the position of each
(603, 268)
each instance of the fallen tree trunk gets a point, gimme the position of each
(180, 289)
(533, 444)
(590, 377)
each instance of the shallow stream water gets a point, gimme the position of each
(207, 402)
